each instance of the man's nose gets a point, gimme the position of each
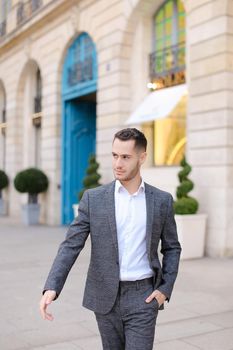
(118, 163)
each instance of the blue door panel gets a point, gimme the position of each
(79, 143)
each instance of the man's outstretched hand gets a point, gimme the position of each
(47, 299)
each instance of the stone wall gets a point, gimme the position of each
(210, 119)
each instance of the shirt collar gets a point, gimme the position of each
(119, 187)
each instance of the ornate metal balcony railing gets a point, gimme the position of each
(2, 28)
(168, 61)
(26, 9)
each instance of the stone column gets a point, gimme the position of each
(51, 146)
(113, 83)
(210, 116)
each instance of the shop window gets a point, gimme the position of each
(170, 136)
(167, 68)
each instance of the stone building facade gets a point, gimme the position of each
(39, 40)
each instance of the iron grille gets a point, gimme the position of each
(80, 72)
(167, 61)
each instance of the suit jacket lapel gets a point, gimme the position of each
(110, 209)
(149, 216)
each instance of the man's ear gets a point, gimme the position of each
(143, 157)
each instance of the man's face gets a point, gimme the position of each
(126, 159)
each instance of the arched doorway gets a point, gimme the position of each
(79, 84)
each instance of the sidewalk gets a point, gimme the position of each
(198, 316)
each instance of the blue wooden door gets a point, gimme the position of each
(79, 78)
(79, 143)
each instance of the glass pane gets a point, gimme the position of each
(168, 27)
(159, 16)
(159, 31)
(170, 136)
(168, 41)
(181, 57)
(169, 60)
(158, 66)
(169, 9)
(181, 22)
(159, 45)
(181, 37)
(180, 7)
(170, 30)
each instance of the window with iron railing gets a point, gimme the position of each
(25, 9)
(5, 6)
(167, 68)
(37, 118)
(3, 123)
(82, 68)
(167, 62)
(37, 101)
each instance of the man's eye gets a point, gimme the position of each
(126, 157)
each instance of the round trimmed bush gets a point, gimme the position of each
(186, 206)
(32, 181)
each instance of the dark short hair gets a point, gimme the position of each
(132, 134)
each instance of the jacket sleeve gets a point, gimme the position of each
(171, 249)
(70, 248)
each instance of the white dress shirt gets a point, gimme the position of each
(130, 211)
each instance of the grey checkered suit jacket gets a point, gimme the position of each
(97, 217)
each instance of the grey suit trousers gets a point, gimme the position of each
(130, 325)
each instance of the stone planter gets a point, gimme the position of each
(3, 207)
(31, 213)
(191, 231)
(75, 210)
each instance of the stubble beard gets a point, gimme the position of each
(130, 176)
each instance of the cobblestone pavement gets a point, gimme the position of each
(198, 316)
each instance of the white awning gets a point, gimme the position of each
(158, 104)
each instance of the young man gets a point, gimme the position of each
(126, 284)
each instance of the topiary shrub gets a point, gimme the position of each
(32, 181)
(184, 203)
(91, 180)
(4, 181)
